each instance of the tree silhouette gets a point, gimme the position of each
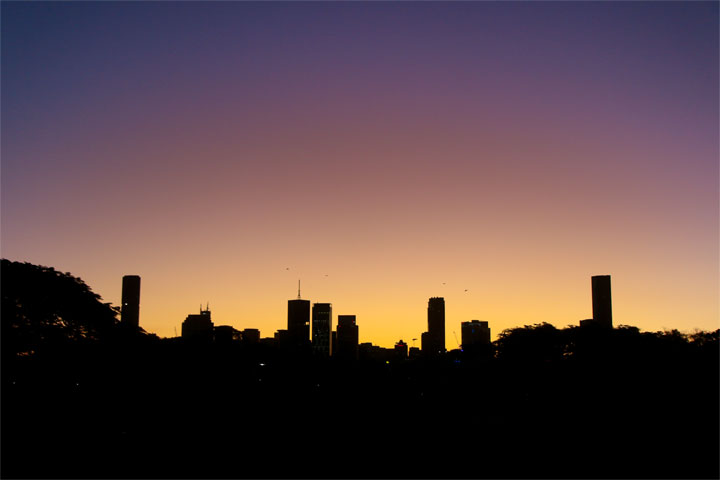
(42, 307)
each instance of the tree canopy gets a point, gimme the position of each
(42, 306)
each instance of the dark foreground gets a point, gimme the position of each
(619, 405)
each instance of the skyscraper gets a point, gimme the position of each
(435, 338)
(321, 328)
(347, 338)
(299, 321)
(130, 309)
(601, 300)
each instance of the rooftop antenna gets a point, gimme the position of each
(298, 288)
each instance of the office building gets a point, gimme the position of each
(283, 339)
(433, 341)
(198, 327)
(130, 309)
(401, 350)
(601, 300)
(347, 338)
(251, 335)
(298, 326)
(321, 328)
(474, 333)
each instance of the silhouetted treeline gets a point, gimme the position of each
(84, 398)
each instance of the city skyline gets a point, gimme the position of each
(495, 154)
(318, 333)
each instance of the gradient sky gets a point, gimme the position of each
(382, 152)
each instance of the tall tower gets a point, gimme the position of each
(601, 300)
(299, 320)
(436, 326)
(321, 328)
(347, 338)
(130, 309)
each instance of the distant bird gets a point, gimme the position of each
(466, 289)
(443, 283)
(326, 274)
(287, 268)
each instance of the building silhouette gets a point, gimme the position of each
(601, 300)
(433, 341)
(401, 350)
(298, 326)
(474, 333)
(322, 328)
(283, 339)
(225, 334)
(425, 342)
(130, 309)
(250, 335)
(375, 353)
(198, 327)
(347, 338)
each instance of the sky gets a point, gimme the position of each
(496, 154)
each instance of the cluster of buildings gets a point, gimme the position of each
(310, 328)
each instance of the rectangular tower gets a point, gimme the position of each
(436, 326)
(601, 300)
(321, 328)
(130, 309)
(347, 338)
(298, 326)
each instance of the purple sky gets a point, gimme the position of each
(513, 149)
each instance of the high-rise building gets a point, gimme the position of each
(347, 338)
(434, 341)
(321, 328)
(130, 309)
(299, 321)
(198, 327)
(601, 300)
(474, 333)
